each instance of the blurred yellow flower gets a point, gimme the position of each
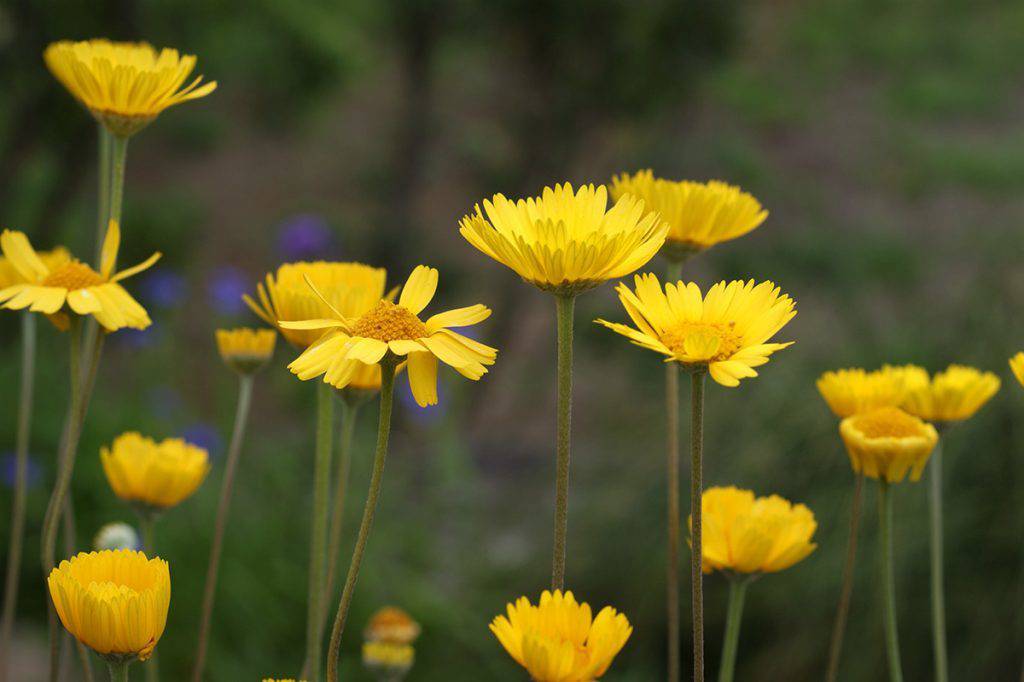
(953, 395)
(392, 624)
(392, 661)
(725, 331)
(566, 242)
(558, 640)
(1017, 365)
(49, 285)
(115, 601)
(395, 330)
(744, 534)
(156, 475)
(352, 288)
(888, 443)
(699, 214)
(246, 350)
(124, 85)
(852, 391)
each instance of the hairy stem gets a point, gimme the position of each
(675, 269)
(696, 526)
(938, 593)
(564, 310)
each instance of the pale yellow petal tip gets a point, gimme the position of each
(151, 474)
(244, 349)
(888, 443)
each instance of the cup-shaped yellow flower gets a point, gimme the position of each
(725, 331)
(888, 443)
(246, 350)
(699, 214)
(124, 85)
(953, 395)
(559, 640)
(1017, 367)
(394, 330)
(852, 391)
(566, 242)
(154, 475)
(115, 602)
(58, 286)
(748, 534)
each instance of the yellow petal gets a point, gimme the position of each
(423, 378)
(22, 256)
(419, 289)
(111, 244)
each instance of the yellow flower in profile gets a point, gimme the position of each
(115, 602)
(151, 474)
(392, 624)
(852, 391)
(558, 640)
(953, 395)
(1017, 365)
(566, 242)
(395, 331)
(246, 350)
(887, 443)
(744, 534)
(726, 331)
(124, 85)
(57, 286)
(699, 214)
(352, 288)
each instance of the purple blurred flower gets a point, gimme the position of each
(162, 288)
(424, 415)
(226, 286)
(9, 470)
(205, 436)
(305, 236)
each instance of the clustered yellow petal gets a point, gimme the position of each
(115, 601)
(699, 214)
(564, 241)
(888, 443)
(151, 474)
(852, 391)
(246, 350)
(726, 331)
(1017, 366)
(558, 640)
(742, 533)
(124, 85)
(953, 395)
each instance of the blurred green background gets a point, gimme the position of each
(884, 137)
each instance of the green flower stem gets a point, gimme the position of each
(119, 153)
(696, 524)
(938, 596)
(564, 310)
(234, 449)
(106, 141)
(349, 412)
(892, 638)
(318, 539)
(118, 671)
(10, 599)
(737, 594)
(147, 520)
(675, 270)
(387, 386)
(846, 591)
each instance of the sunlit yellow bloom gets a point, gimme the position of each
(246, 350)
(352, 288)
(699, 214)
(558, 640)
(115, 602)
(392, 624)
(59, 286)
(395, 331)
(566, 242)
(124, 85)
(852, 391)
(744, 534)
(1017, 365)
(152, 474)
(726, 331)
(953, 395)
(888, 443)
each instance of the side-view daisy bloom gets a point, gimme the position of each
(59, 287)
(953, 395)
(395, 330)
(888, 443)
(151, 474)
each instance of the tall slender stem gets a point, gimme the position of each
(106, 142)
(387, 386)
(892, 637)
(938, 593)
(737, 594)
(118, 671)
(245, 383)
(696, 524)
(349, 411)
(119, 154)
(318, 538)
(835, 648)
(564, 310)
(675, 270)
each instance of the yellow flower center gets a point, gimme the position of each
(889, 422)
(709, 341)
(389, 322)
(72, 276)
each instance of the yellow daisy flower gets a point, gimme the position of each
(1017, 365)
(115, 602)
(59, 286)
(725, 331)
(566, 242)
(699, 214)
(558, 640)
(394, 330)
(852, 391)
(744, 534)
(953, 395)
(246, 350)
(124, 85)
(888, 443)
(155, 475)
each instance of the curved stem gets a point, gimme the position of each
(892, 638)
(846, 591)
(737, 594)
(387, 386)
(675, 269)
(938, 596)
(318, 538)
(564, 310)
(696, 524)
(223, 505)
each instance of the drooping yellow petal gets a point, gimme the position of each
(111, 245)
